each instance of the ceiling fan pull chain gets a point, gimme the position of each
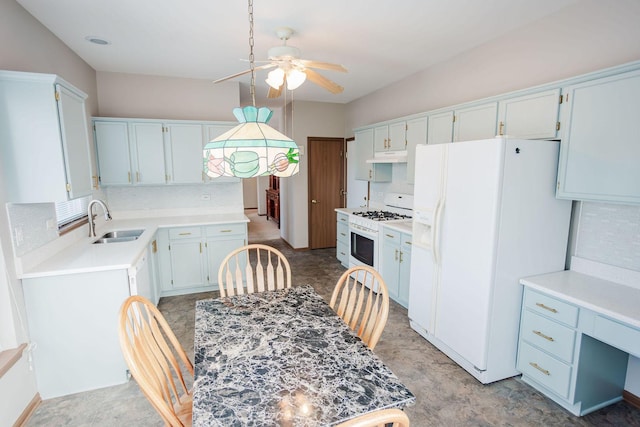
(251, 58)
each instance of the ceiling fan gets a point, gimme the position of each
(291, 70)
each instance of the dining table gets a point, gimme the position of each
(284, 358)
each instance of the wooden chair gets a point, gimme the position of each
(363, 307)
(150, 349)
(385, 417)
(255, 267)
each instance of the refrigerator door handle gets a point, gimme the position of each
(435, 233)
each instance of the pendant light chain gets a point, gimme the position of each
(251, 58)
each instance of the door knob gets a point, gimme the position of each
(314, 201)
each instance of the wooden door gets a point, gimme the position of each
(326, 189)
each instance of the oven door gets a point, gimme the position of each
(363, 249)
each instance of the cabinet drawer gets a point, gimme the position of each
(343, 233)
(550, 307)
(548, 335)
(391, 236)
(226, 229)
(342, 218)
(545, 369)
(342, 253)
(618, 335)
(184, 233)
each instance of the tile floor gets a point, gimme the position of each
(446, 394)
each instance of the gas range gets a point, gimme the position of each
(397, 207)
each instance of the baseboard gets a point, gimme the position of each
(28, 411)
(631, 398)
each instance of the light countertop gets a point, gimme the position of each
(614, 300)
(85, 257)
(401, 226)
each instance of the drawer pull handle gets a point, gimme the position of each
(343, 234)
(541, 305)
(535, 365)
(546, 337)
(184, 234)
(391, 236)
(225, 231)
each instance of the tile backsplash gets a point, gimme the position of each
(610, 234)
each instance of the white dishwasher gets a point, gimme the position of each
(140, 278)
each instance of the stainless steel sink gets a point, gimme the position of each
(119, 236)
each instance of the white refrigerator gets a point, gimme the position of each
(485, 215)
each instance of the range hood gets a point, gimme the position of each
(389, 157)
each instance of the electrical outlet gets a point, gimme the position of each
(205, 196)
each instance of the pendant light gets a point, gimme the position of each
(252, 148)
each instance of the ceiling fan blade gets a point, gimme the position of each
(241, 73)
(275, 93)
(321, 65)
(323, 81)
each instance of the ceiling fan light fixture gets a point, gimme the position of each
(295, 78)
(275, 78)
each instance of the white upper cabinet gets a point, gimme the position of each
(377, 172)
(416, 134)
(440, 129)
(390, 137)
(148, 153)
(152, 152)
(600, 150)
(114, 158)
(477, 122)
(44, 138)
(533, 116)
(185, 144)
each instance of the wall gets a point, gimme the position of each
(154, 97)
(587, 36)
(305, 119)
(25, 45)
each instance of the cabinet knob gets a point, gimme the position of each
(314, 201)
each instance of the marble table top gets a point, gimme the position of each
(284, 358)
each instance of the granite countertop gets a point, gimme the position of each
(84, 257)
(284, 358)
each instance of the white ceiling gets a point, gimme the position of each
(379, 42)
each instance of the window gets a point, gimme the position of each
(72, 212)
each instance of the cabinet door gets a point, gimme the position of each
(474, 123)
(416, 134)
(185, 145)
(112, 146)
(440, 128)
(217, 250)
(600, 150)
(148, 152)
(397, 136)
(532, 116)
(75, 142)
(390, 260)
(187, 263)
(404, 270)
(364, 151)
(381, 138)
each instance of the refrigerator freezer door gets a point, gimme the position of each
(427, 194)
(468, 244)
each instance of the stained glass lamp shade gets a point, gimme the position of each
(253, 148)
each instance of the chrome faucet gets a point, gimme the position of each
(92, 216)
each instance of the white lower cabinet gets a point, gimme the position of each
(73, 323)
(342, 238)
(395, 264)
(557, 356)
(190, 257)
(220, 241)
